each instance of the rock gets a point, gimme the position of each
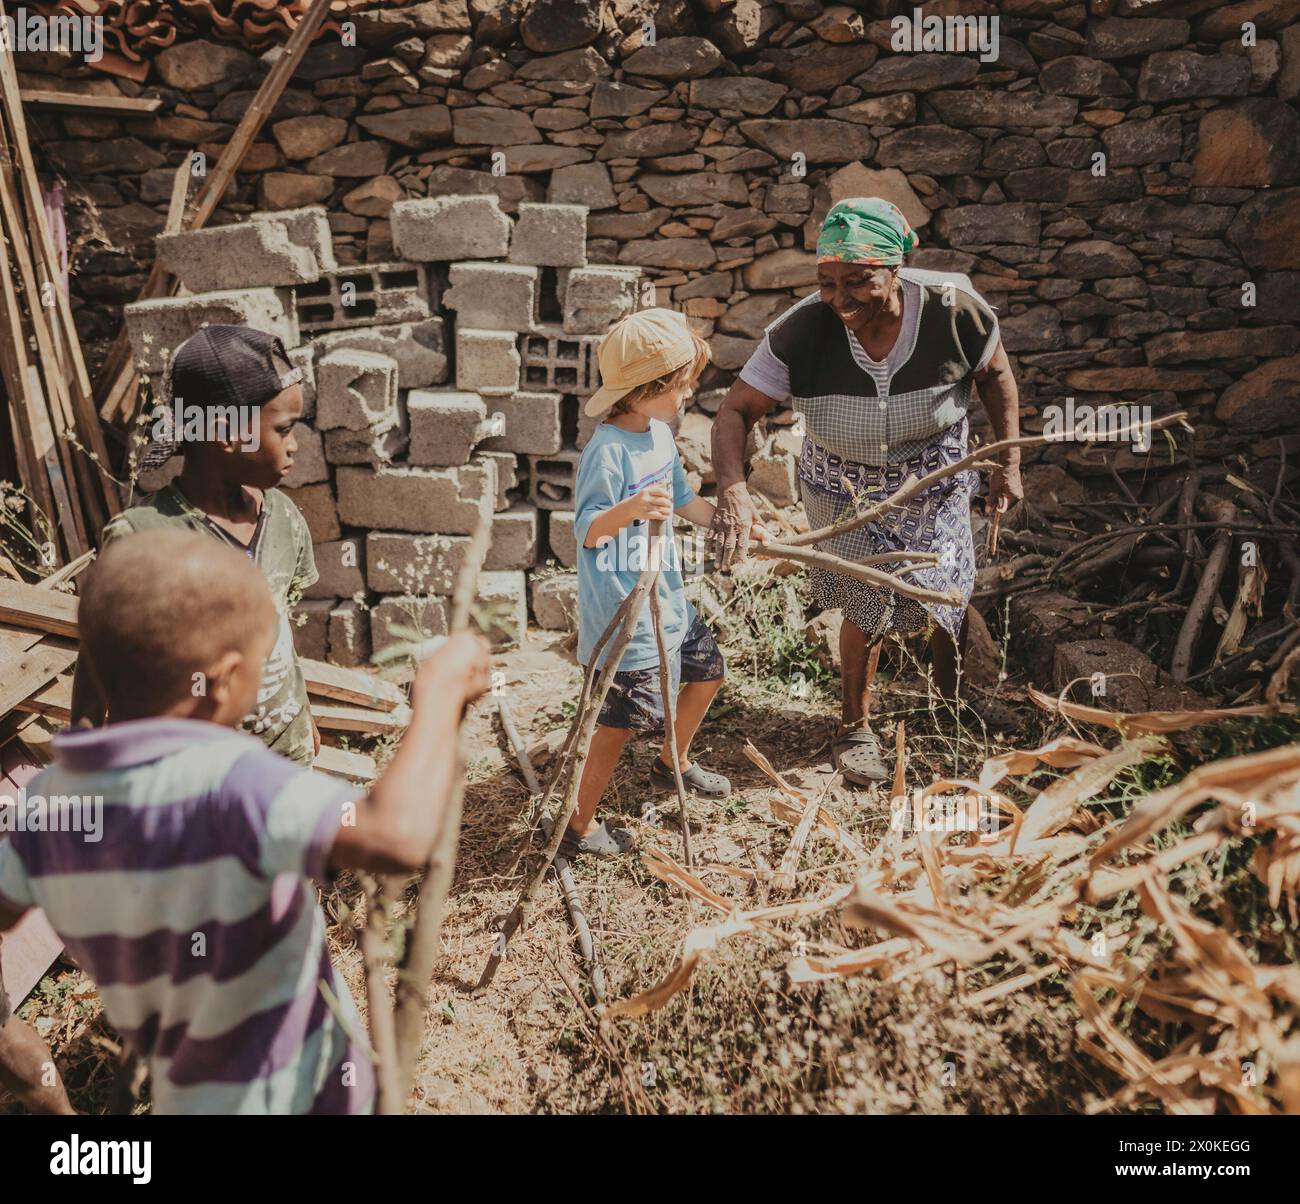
(107, 155)
(898, 108)
(549, 26)
(625, 100)
(1076, 75)
(890, 184)
(650, 141)
(1267, 399)
(1184, 75)
(416, 126)
(582, 184)
(352, 159)
(1095, 259)
(984, 225)
(445, 52)
(741, 223)
(579, 66)
(1014, 153)
(936, 150)
(1137, 143)
(1063, 185)
(816, 67)
(1186, 346)
(307, 137)
(1040, 619)
(1266, 230)
(1134, 380)
(374, 198)
(1226, 21)
(917, 73)
(1030, 109)
(542, 158)
(1035, 329)
(742, 27)
(482, 125)
(1113, 676)
(781, 269)
(695, 188)
(1152, 214)
(1253, 143)
(744, 92)
(286, 190)
(686, 253)
(754, 314)
(382, 26)
(496, 22)
(1288, 79)
(196, 66)
(820, 140)
(460, 181)
(675, 58)
(1120, 39)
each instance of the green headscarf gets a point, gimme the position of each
(865, 230)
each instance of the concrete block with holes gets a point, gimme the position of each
(555, 362)
(494, 296)
(551, 480)
(429, 229)
(366, 295)
(356, 390)
(446, 425)
(550, 235)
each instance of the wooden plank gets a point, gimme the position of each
(38, 609)
(127, 106)
(342, 763)
(353, 686)
(35, 674)
(356, 719)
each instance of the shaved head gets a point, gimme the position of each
(161, 606)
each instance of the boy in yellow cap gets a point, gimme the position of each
(629, 476)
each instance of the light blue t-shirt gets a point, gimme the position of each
(614, 465)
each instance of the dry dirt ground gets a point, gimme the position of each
(739, 1039)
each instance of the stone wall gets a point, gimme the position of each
(1119, 182)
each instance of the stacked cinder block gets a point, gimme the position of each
(443, 387)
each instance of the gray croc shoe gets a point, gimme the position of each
(857, 756)
(601, 841)
(701, 781)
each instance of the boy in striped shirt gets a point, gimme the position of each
(195, 911)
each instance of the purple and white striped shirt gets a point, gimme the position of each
(196, 916)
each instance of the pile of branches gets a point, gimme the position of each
(1030, 905)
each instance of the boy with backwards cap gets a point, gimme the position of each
(195, 912)
(242, 381)
(630, 474)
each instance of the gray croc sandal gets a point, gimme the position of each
(701, 781)
(601, 841)
(857, 756)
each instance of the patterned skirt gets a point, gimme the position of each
(937, 520)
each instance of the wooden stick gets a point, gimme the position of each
(379, 1003)
(915, 485)
(628, 614)
(859, 572)
(416, 968)
(670, 721)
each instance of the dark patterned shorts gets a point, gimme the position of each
(635, 700)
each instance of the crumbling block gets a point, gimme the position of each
(505, 594)
(529, 423)
(772, 473)
(423, 612)
(562, 537)
(341, 568)
(245, 255)
(445, 426)
(419, 348)
(555, 602)
(555, 362)
(551, 480)
(1042, 621)
(448, 501)
(317, 505)
(507, 468)
(366, 295)
(550, 235)
(305, 358)
(373, 446)
(514, 539)
(309, 228)
(349, 632)
(494, 296)
(450, 227)
(586, 426)
(1115, 676)
(309, 464)
(487, 361)
(157, 327)
(356, 390)
(310, 622)
(415, 564)
(597, 297)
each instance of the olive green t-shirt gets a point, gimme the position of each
(281, 548)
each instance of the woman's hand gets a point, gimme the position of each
(1005, 488)
(733, 525)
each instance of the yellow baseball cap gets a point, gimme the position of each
(642, 347)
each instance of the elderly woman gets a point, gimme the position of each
(879, 363)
